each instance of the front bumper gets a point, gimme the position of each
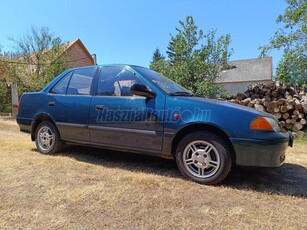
(262, 152)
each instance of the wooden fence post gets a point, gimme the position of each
(14, 95)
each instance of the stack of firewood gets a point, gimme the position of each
(286, 102)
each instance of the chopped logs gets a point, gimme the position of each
(286, 102)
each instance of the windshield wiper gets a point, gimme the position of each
(182, 93)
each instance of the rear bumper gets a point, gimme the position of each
(25, 125)
(262, 153)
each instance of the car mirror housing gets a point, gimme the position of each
(141, 90)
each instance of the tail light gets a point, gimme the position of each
(19, 102)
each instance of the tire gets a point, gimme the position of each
(47, 138)
(203, 157)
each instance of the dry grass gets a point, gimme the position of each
(87, 188)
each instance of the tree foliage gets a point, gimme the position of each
(36, 59)
(4, 98)
(194, 58)
(292, 39)
(158, 61)
(4, 94)
(157, 56)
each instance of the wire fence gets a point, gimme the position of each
(42, 64)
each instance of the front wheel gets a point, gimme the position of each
(47, 138)
(203, 157)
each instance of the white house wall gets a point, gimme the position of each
(239, 87)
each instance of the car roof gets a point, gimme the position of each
(105, 65)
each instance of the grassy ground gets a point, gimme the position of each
(87, 188)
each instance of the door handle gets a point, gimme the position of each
(99, 107)
(51, 104)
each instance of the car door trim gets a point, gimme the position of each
(140, 131)
(72, 125)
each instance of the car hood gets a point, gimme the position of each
(201, 101)
(232, 118)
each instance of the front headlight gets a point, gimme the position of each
(265, 124)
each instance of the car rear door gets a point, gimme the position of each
(68, 103)
(120, 119)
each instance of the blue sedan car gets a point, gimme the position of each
(131, 108)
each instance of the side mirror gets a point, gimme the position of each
(141, 90)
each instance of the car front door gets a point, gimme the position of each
(120, 119)
(68, 103)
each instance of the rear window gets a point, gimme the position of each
(81, 81)
(61, 86)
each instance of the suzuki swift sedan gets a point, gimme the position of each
(135, 109)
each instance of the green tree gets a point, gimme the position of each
(4, 99)
(292, 39)
(195, 58)
(157, 61)
(157, 56)
(183, 46)
(4, 95)
(36, 59)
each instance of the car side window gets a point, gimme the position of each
(81, 81)
(61, 86)
(116, 81)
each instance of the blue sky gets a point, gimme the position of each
(129, 31)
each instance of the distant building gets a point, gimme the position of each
(76, 55)
(244, 73)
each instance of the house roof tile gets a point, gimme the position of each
(257, 69)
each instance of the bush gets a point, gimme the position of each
(5, 102)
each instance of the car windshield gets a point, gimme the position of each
(164, 83)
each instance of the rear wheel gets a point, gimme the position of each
(203, 157)
(47, 138)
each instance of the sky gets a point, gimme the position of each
(129, 31)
